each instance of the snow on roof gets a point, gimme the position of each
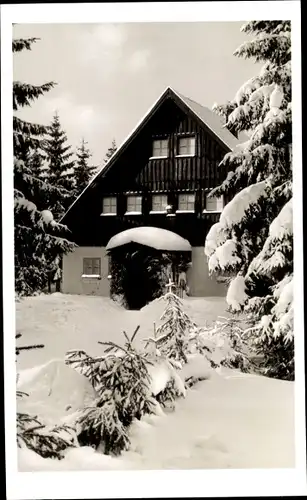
(160, 239)
(208, 117)
(212, 120)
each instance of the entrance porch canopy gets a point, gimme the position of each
(154, 237)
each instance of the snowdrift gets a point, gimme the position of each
(55, 391)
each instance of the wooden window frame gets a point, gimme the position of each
(161, 149)
(161, 210)
(185, 207)
(111, 205)
(187, 154)
(219, 204)
(88, 270)
(135, 211)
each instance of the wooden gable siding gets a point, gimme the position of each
(134, 172)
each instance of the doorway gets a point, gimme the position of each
(139, 273)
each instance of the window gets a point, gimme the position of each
(109, 205)
(186, 202)
(91, 266)
(160, 148)
(159, 203)
(214, 204)
(186, 146)
(134, 204)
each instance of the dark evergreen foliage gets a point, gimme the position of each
(122, 382)
(38, 238)
(138, 274)
(110, 152)
(60, 171)
(83, 172)
(262, 237)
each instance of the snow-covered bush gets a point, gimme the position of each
(223, 344)
(122, 381)
(48, 442)
(195, 350)
(252, 244)
(166, 383)
(172, 336)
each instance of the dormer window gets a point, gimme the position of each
(134, 205)
(159, 203)
(186, 146)
(109, 205)
(160, 148)
(214, 204)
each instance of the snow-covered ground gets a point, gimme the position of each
(62, 322)
(232, 420)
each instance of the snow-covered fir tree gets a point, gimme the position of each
(37, 236)
(60, 171)
(110, 152)
(122, 382)
(83, 172)
(172, 336)
(252, 242)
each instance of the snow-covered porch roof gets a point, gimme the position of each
(154, 237)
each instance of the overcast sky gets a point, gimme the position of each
(109, 75)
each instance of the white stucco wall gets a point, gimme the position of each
(73, 269)
(198, 279)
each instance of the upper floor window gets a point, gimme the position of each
(159, 203)
(160, 148)
(186, 146)
(109, 205)
(214, 204)
(134, 204)
(91, 266)
(186, 202)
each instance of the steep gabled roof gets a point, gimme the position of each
(211, 120)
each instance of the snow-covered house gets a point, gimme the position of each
(159, 177)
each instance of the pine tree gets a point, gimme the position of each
(172, 336)
(83, 171)
(60, 171)
(110, 152)
(35, 162)
(252, 242)
(122, 382)
(37, 235)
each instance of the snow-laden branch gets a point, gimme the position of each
(278, 242)
(236, 295)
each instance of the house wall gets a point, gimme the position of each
(73, 269)
(198, 280)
